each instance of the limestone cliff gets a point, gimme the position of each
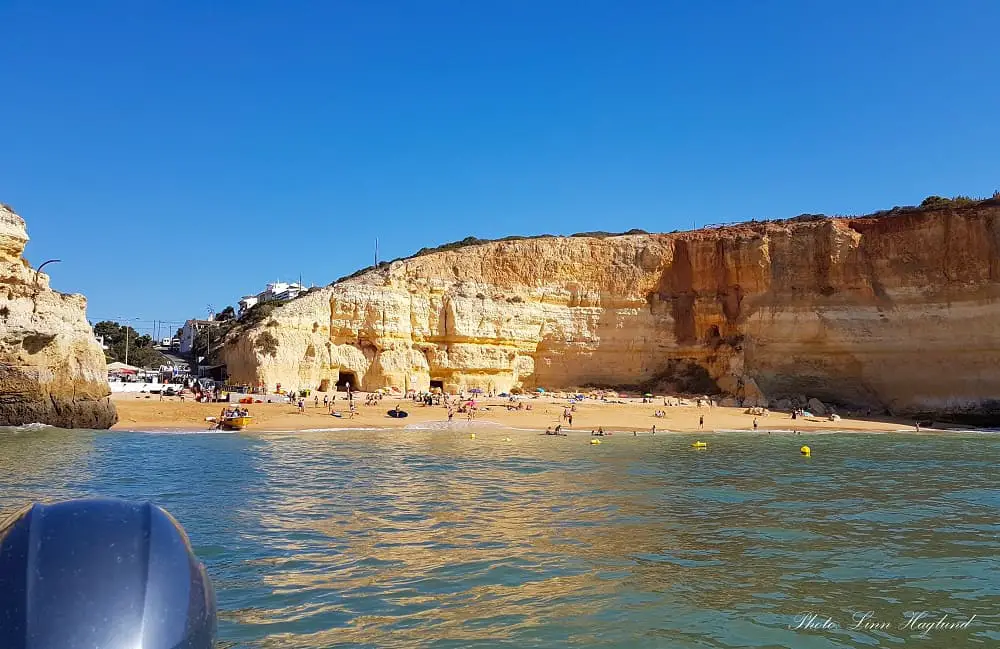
(52, 370)
(897, 311)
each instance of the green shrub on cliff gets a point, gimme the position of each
(266, 344)
(939, 201)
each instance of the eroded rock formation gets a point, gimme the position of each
(898, 311)
(52, 370)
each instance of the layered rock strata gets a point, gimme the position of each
(897, 311)
(52, 370)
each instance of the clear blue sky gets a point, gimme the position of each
(177, 154)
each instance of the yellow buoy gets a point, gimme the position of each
(699, 445)
(472, 436)
(595, 442)
(805, 450)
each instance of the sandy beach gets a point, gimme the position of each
(147, 412)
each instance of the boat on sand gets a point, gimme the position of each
(232, 419)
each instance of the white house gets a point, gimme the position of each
(280, 291)
(274, 291)
(247, 302)
(190, 330)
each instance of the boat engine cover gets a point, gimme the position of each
(101, 574)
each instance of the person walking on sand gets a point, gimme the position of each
(316, 401)
(569, 418)
(755, 424)
(653, 431)
(302, 406)
(701, 422)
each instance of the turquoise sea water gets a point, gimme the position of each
(427, 538)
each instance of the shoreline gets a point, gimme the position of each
(147, 413)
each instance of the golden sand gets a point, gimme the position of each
(147, 412)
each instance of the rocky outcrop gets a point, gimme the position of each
(897, 311)
(52, 370)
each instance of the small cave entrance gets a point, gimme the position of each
(324, 385)
(347, 380)
(437, 383)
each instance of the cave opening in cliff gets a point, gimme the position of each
(324, 385)
(347, 380)
(437, 383)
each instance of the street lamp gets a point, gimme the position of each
(44, 264)
(34, 297)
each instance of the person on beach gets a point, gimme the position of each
(918, 426)
(653, 430)
(316, 401)
(701, 422)
(569, 418)
(302, 406)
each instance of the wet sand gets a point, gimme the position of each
(148, 414)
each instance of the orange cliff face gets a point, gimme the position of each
(52, 369)
(897, 312)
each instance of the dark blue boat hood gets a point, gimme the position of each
(101, 574)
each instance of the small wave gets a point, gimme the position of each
(335, 430)
(26, 428)
(453, 425)
(751, 430)
(167, 431)
(34, 426)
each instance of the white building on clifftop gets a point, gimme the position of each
(274, 291)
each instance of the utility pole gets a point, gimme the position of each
(127, 327)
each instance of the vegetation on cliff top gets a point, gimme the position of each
(928, 204)
(474, 241)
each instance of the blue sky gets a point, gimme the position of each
(178, 154)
